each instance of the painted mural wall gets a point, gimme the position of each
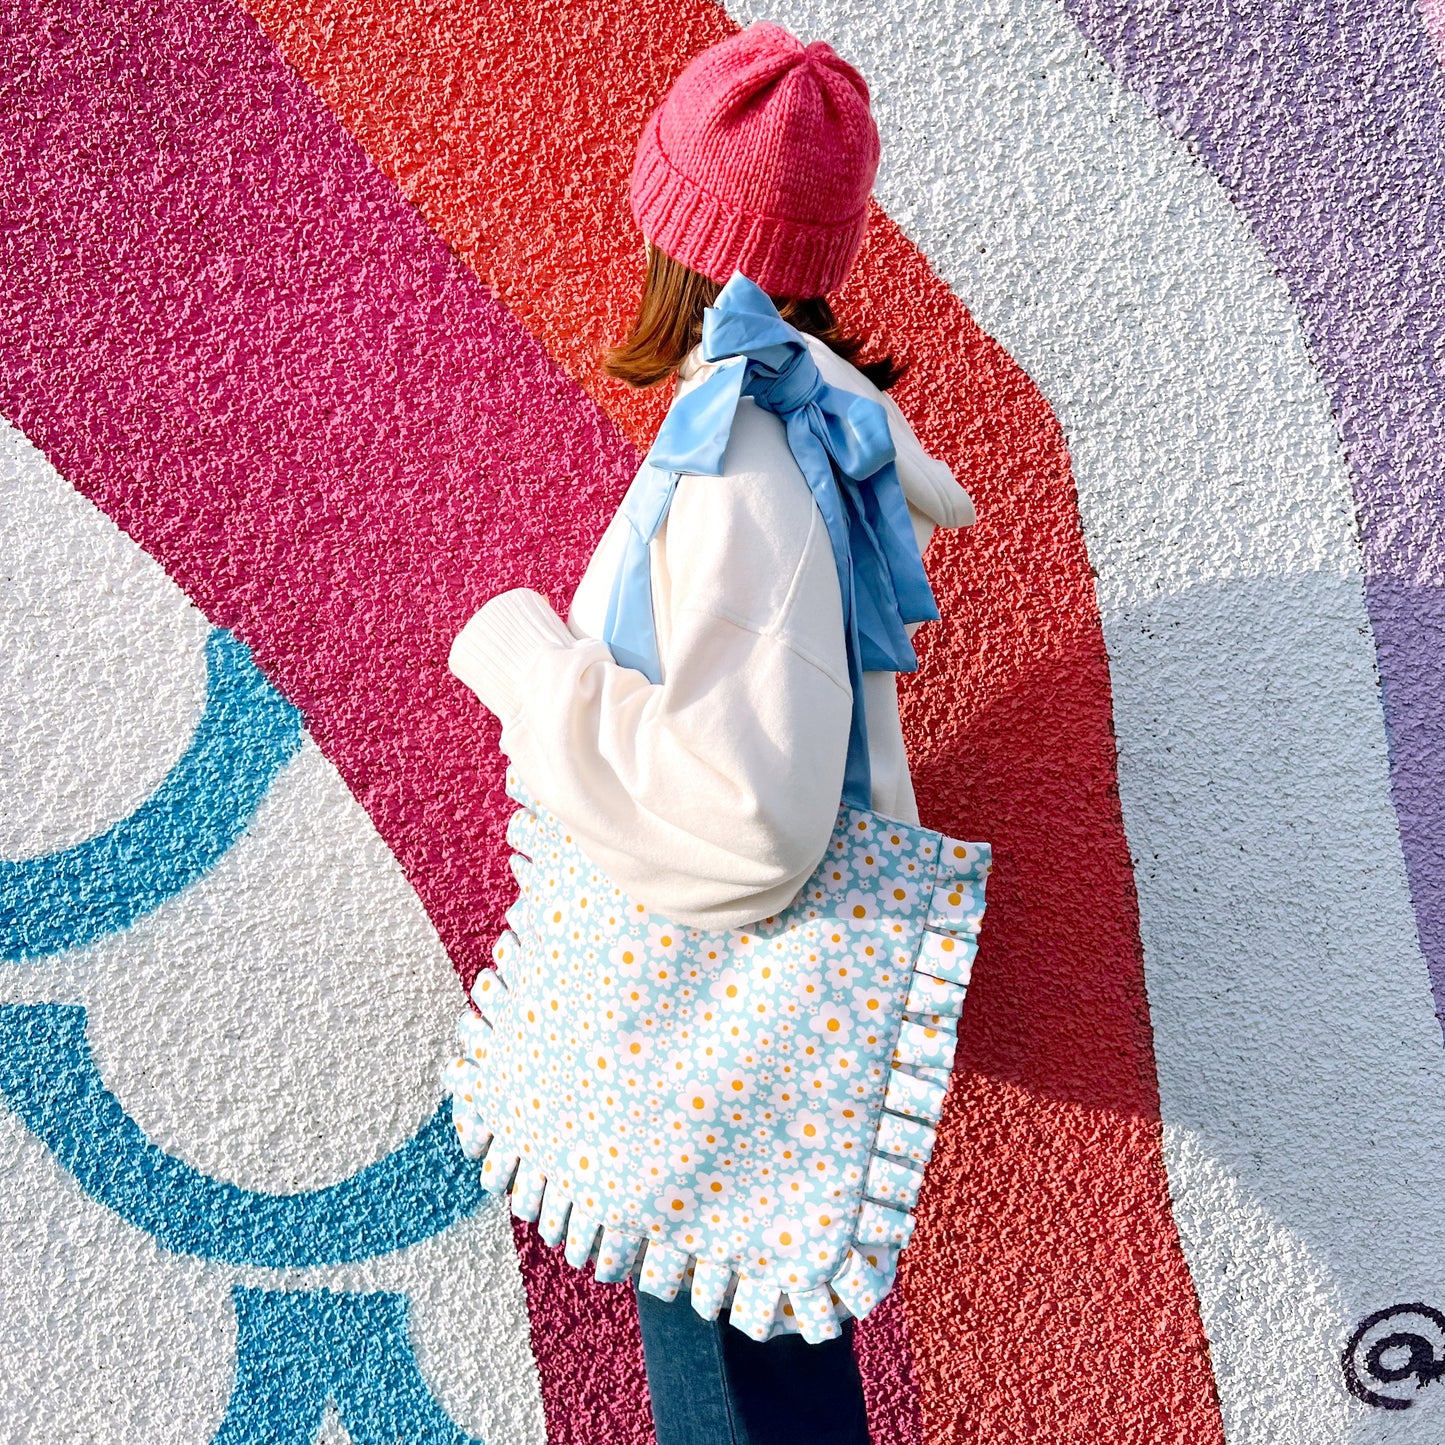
(301, 303)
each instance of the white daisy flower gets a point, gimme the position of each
(810, 1129)
(698, 1102)
(867, 862)
(713, 1188)
(626, 956)
(784, 1238)
(632, 1049)
(730, 989)
(736, 1085)
(833, 1023)
(676, 1205)
(663, 940)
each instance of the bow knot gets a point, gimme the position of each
(797, 384)
(842, 445)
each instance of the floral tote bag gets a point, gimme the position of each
(747, 1113)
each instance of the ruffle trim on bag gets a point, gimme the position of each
(919, 1073)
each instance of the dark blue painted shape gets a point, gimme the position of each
(296, 1350)
(49, 1079)
(246, 734)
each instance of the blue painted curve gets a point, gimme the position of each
(49, 1078)
(297, 1350)
(246, 735)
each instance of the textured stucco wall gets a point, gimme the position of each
(299, 321)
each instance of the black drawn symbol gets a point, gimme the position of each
(1394, 1351)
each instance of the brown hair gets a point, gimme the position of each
(668, 325)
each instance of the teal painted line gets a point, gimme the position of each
(48, 1077)
(297, 1350)
(246, 735)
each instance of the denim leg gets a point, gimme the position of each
(713, 1385)
(686, 1378)
(788, 1392)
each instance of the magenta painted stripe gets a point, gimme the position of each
(885, 1360)
(227, 329)
(1326, 124)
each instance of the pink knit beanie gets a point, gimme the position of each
(760, 159)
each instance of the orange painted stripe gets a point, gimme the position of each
(1046, 1294)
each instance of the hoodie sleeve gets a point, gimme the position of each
(708, 797)
(931, 488)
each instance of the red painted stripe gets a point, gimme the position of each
(1047, 1295)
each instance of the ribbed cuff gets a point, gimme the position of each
(494, 653)
(784, 257)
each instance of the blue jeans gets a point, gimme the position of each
(713, 1385)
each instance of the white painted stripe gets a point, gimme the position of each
(90, 1300)
(282, 1022)
(1301, 1069)
(69, 577)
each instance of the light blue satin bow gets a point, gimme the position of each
(842, 445)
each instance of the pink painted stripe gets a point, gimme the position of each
(230, 332)
(1432, 14)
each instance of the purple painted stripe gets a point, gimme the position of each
(228, 330)
(1323, 122)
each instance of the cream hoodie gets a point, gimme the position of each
(708, 797)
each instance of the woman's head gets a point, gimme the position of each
(760, 159)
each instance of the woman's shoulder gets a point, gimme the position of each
(928, 483)
(758, 512)
(747, 543)
(759, 475)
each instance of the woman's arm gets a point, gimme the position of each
(710, 796)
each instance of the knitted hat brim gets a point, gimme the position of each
(786, 257)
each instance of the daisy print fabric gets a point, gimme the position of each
(745, 1113)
